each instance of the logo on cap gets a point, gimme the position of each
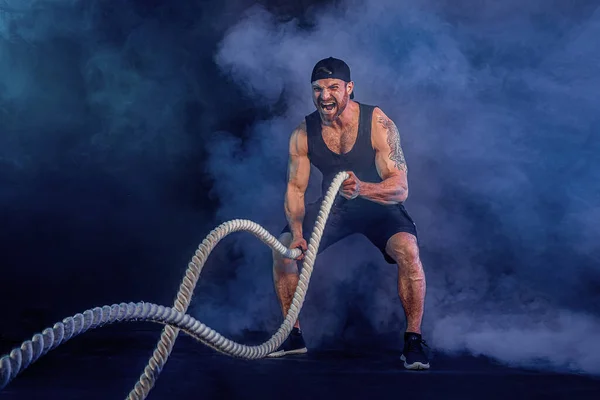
(323, 69)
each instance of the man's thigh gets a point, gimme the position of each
(335, 228)
(384, 223)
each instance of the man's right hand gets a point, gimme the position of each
(299, 243)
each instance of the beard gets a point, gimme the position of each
(331, 110)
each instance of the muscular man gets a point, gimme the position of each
(344, 135)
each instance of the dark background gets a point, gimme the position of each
(129, 130)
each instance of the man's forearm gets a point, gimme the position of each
(387, 192)
(294, 212)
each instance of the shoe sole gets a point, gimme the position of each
(283, 353)
(416, 366)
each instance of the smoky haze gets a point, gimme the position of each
(127, 133)
(103, 109)
(497, 108)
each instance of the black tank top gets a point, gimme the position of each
(360, 159)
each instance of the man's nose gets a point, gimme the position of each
(325, 94)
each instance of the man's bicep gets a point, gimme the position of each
(299, 163)
(392, 145)
(385, 167)
(298, 172)
(390, 156)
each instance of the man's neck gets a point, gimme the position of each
(345, 118)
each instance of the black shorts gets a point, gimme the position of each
(377, 222)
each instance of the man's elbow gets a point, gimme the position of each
(401, 194)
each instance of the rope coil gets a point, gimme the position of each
(175, 318)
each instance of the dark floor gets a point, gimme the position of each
(105, 365)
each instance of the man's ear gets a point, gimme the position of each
(350, 89)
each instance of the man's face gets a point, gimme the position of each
(331, 96)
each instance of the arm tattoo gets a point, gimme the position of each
(393, 140)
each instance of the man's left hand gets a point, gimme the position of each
(350, 188)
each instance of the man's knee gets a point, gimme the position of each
(281, 263)
(403, 248)
(286, 239)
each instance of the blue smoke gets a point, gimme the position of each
(117, 137)
(102, 107)
(62, 71)
(496, 105)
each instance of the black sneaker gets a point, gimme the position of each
(294, 344)
(413, 355)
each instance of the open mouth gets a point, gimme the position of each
(328, 106)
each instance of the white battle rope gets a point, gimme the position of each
(175, 318)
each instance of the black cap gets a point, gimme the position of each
(331, 68)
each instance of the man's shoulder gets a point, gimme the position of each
(377, 111)
(299, 134)
(300, 129)
(379, 116)
(298, 140)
